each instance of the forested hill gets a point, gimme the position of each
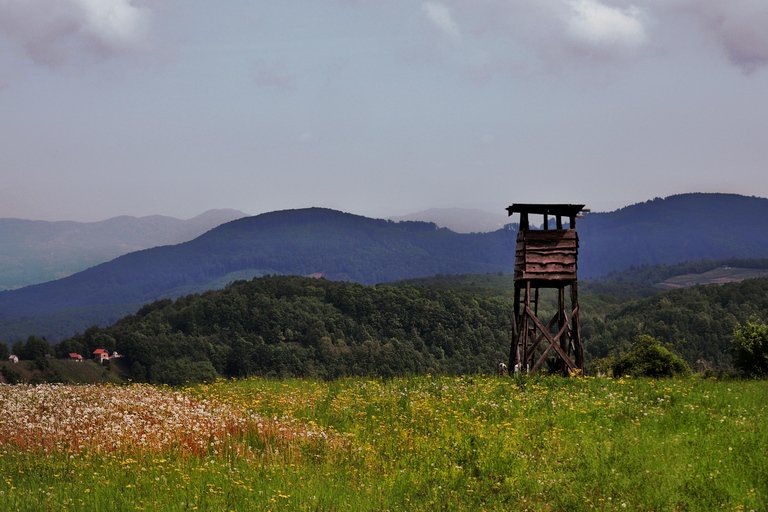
(314, 241)
(685, 227)
(298, 326)
(697, 323)
(294, 326)
(341, 246)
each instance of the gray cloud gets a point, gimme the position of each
(272, 75)
(610, 31)
(740, 27)
(56, 32)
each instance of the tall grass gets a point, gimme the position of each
(422, 443)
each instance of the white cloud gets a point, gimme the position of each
(116, 23)
(601, 31)
(440, 16)
(595, 25)
(55, 32)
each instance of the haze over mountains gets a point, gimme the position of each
(33, 252)
(342, 246)
(460, 220)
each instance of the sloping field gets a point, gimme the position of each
(717, 276)
(428, 443)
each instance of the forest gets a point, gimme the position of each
(288, 326)
(293, 326)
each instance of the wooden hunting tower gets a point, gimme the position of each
(546, 258)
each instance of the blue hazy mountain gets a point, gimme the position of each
(342, 246)
(35, 251)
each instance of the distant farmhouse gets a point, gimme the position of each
(100, 355)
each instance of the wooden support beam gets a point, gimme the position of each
(554, 341)
(541, 360)
(540, 337)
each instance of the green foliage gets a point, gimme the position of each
(750, 349)
(283, 326)
(649, 359)
(698, 322)
(4, 352)
(34, 348)
(11, 375)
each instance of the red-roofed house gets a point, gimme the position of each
(100, 355)
(75, 357)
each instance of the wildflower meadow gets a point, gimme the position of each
(418, 443)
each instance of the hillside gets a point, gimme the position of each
(284, 326)
(720, 275)
(313, 241)
(697, 322)
(33, 252)
(347, 247)
(307, 327)
(680, 228)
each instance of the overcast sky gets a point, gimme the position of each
(376, 107)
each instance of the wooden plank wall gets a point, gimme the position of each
(547, 255)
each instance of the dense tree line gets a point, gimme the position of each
(294, 326)
(750, 349)
(698, 323)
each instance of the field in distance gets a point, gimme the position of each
(421, 443)
(719, 275)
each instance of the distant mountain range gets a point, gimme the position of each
(33, 252)
(685, 227)
(460, 220)
(342, 246)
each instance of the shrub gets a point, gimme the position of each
(750, 349)
(11, 375)
(648, 358)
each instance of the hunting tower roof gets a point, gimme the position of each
(565, 210)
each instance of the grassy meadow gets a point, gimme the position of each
(420, 443)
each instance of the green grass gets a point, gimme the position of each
(85, 372)
(71, 372)
(436, 443)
